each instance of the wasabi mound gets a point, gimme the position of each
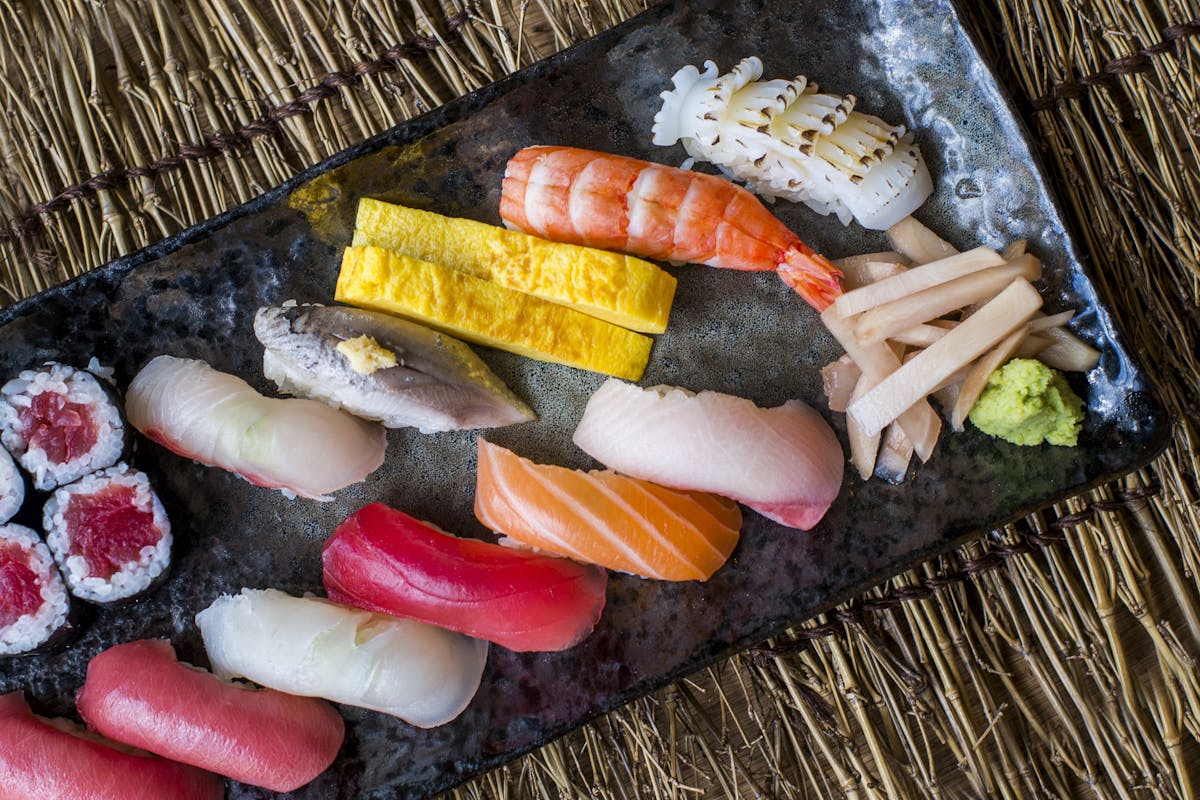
(1028, 403)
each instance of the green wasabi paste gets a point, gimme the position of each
(1026, 402)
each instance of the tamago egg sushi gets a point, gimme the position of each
(60, 423)
(109, 533)
(34, 605)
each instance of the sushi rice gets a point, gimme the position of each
(30, 631)
(131, 577)
(75, 387)
(12, 487)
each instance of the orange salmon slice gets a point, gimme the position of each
(600, 517)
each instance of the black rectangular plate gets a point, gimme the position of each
(195, 295)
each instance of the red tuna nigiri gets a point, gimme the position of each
(38, 758)
(383, 560)
(138, 693)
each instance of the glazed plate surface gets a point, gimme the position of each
(195, 296)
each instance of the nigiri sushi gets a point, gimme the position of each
(109, 533)
(383, 560)
(34, 605)
(138, 693)
(60, 423)
(380, 367)
(424, 675)
(603, 200)
(783, 462)
(604, 518)
(300, 446)
(48, 759)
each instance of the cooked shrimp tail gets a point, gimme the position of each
(811, 275)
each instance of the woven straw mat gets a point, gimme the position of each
(1073, 675)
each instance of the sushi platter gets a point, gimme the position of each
(257, 555)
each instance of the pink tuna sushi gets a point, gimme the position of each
(34, 605)
(383, 560)
(299, 446)
(139, 694)
(783, 462)
(41, 758)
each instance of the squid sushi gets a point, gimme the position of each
(307, 646)
(383, 560)
(604, 518)
(53, 759)
(384, 368)
(34, 604)
(783, 462)
(60, 423)
(12, 487)
(140, 694)
(298, 446)
(109, 534)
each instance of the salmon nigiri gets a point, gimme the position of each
(784, 462)
(383, 560)
(619, 203)
(604, 518)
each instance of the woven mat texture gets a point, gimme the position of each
(1055, 658)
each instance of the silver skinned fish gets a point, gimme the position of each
(383, 368)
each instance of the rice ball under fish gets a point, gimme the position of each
(110, 535)
(60, 423)
(34, 604)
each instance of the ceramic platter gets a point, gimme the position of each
(195, 295)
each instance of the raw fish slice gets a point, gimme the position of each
(383, 560)
(41, 758)
(139, 694)
(384, 368)
(783, 462)
(218, 419)
(424, 675)
(618, 522)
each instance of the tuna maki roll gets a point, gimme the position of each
(60, 423)
(12, 487)
(34, 604)
(109, 534)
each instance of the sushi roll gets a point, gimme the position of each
(60, 423)
(34, 604)
(109, 534)
(12, 487)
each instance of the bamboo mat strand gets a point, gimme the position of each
(1054, 658)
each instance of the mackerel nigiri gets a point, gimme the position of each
(49, 759)
(383, 560)
(783, 462)
(139, 694)
(604, 518)
(218, 419)
(424, 675)
(384, 368)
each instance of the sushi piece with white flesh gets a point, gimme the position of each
(785, 138)
(110, 535)
(299, 446)
(307, 646)
(384, 368)
(34, 604)
(12, 487)
(60, 423)
(783, 462)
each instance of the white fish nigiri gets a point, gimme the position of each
(307, 646)
(783, 462)
(301, 446)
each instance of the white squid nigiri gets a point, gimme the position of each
(307, 646)
(783, 462)
(218, 419)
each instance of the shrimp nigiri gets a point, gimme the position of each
(218, 419)
(618, 203)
